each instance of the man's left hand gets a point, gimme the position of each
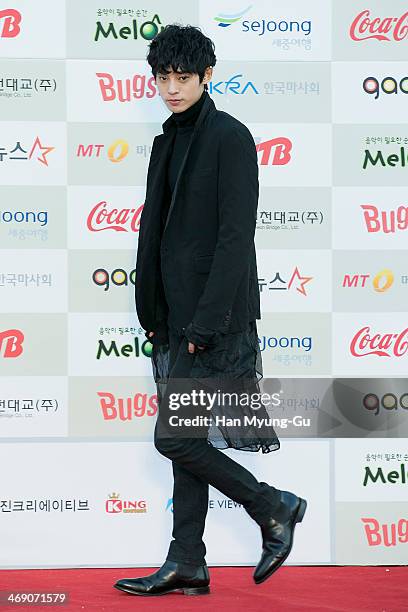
(192, 347)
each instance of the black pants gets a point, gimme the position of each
(196, 464)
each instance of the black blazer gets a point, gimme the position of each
(204, 259)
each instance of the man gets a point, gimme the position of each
(197, 297)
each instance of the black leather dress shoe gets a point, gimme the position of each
(170, 577)
(277, 536)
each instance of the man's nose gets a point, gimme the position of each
(173, 87)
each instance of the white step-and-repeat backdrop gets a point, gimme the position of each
(323, 88)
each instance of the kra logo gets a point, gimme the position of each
(12, 341)
(10, 20)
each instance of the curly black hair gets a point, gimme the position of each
(183, 48)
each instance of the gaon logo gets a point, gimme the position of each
(119, 277)
(11, 343)
(386, 345)
(389, 28)
(389, 401)
(389, 85)
(123, 220)
(11, 23)
(263, 25)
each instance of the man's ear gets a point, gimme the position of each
(207, 74)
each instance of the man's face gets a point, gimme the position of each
(180, 90)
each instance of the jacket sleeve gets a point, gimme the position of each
(238, 191)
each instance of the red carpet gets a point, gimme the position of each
(348, 589)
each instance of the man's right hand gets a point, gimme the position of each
(151, 333)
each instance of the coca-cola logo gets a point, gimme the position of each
(388, 28)
(124, 220)
(385, 345)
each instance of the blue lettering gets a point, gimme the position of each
(285, 342)
(19, 216)
(273, 26)
(233, 85)
(214, 86)
(250, 84)
(236, 84)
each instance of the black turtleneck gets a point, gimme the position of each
(185, 122)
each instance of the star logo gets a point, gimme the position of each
(303, 280)
(45, 150)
